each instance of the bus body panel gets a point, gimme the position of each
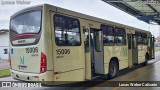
(142, 50)
(47, 76)
(68, 61)
(25, 46)
(26, 62)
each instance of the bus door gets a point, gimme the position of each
(96, 51)
(153, 52)
(130, 61)
(86, 35)
(151, 44)
(93, 52)
(134, 49)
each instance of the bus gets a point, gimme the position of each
(49, 43)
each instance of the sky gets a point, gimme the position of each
(96, 8)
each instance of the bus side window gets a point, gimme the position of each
(139, 38)
(67, 31)
(129, 41)
(120, 36)
(145, 41)
(108, 35)
(98, 41)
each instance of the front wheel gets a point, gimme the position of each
(113, 69)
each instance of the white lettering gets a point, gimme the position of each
(22, 2)
(7, 2)
(120, 84)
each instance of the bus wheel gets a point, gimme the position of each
(113, 69)
(146, 61)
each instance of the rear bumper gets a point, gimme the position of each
(47, 76)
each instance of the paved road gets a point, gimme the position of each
(150, 72)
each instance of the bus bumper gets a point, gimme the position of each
(47, 76)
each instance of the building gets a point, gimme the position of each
(4, 44)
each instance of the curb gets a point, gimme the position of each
(5, 76)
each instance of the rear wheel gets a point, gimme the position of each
(113, 69)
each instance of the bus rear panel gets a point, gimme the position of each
(27, 60)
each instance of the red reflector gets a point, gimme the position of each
(35, 76)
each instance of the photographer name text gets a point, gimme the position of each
(138, 85)
(15, 2)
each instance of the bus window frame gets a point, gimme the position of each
(144, 36)
(78, 27)
(122, 35)
(98, 48)
(141, 34)
(107, 44)
(39, 33)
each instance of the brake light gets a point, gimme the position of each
(43, 67)
(10, 61)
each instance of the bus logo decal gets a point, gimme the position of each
(22, 60)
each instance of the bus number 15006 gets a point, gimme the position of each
(32, 50)
(63, 51)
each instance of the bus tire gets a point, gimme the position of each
(113, 69)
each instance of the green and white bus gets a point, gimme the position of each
(48, 43)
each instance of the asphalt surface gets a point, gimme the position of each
(151, 72)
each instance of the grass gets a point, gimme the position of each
(4, 73)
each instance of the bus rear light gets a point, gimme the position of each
(10, 61)
(43, 67)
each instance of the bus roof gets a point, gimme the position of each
(77, 14)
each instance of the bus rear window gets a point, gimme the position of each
(25, 28)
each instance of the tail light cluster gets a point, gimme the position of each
(10, 61)
(43, 67)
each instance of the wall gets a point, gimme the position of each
(4, 44)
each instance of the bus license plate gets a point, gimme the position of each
(22, 67)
